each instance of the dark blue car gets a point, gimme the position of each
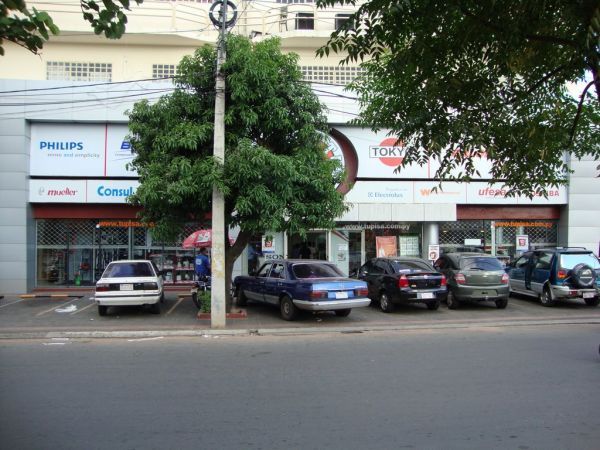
(299, 284)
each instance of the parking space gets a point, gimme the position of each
(178, 312)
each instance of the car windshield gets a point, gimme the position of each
(480, 263)
(406, 266)
(570, 260)
(315, 270)
(139, 269)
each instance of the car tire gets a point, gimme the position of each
(546, 297)
(385, 304)
(240, 297)
(195, 300)
(102, 310)
(162, 297)
(288, 309)
(501, 303)
(583, 276)
(155, 308)
(343, 312)
(432, 306)
(451, 300)
(592, 301)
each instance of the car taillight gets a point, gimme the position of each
(562, 274)
(402, 281)
(318, 294)
(150, 286)
(102, 287)
(460, 278)
(362, 292)
(504, 278)
(444, 281)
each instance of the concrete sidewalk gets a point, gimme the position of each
(73, 314)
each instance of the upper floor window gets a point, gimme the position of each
(340, 19)
(163, 70)
(305, 21)
(330, 74)
(78, 71)
(295, 1)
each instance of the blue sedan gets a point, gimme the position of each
(302, 284)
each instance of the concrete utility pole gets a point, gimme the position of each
(218, 292)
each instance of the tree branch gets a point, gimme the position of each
(579, 109)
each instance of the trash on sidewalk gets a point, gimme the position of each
(66, 309)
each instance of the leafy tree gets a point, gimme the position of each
(30, 29)
(453, 78)
(275, 176)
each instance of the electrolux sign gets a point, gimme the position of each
(97, 150)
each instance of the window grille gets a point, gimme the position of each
(341, 75)
(163, 70)
(78, 71)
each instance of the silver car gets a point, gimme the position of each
(129, 282)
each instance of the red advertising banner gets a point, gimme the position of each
(386, 246)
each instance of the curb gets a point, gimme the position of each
(119, 334)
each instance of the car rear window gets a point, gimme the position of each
(570, 260)
(480, 263)
(140, 269)
(307, 270)
(407, 266)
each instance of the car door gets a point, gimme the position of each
(517, 271)
(444, 266)
(274, 283)
(542, 263)
(368, 273)
(256, 285)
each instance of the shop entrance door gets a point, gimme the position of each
(314, 246)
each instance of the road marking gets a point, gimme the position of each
(83, 309)
(175, 305)
(55, 307)
(8, 304)
(145, 339)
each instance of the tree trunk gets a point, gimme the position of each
(231, 255)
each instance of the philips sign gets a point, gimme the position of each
(61, 145)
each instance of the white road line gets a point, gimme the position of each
(8, 304)
(83, 309)
(55, 307)
(175, 305)
(145, 339)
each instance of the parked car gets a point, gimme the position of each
(558, 273)
(297, 284)
(129, 282)
(403, 280)
(474, 277)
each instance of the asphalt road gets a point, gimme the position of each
(502, 388)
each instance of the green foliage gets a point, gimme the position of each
(275, 176)
(30, 29)
(453, 78)
(204, 297)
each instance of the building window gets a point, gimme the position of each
(305, 21)
(330, 74)
(295, 1)
(76, 71)
(163, 70)
(340, 19)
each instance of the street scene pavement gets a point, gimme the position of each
(78, 315)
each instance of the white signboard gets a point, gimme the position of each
(81, 191)
(434, 252)
(431, 192)
(57, 191)
(381, 192)
(522, 242)
(93, 150)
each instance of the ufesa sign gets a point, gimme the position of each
(99, 150)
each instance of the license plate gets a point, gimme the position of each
(425, 295)
(341, 295)
(589, 295)
(127, 287)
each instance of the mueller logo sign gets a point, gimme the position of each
(61, 145)
(64, 192)
(390, 152)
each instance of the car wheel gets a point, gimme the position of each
(162, 297)
(451, 300)
(102, 310)
(385, 304)
(592, 301)
(343, 312)
(240, 298)
(155, 308)
(501, 304)
(583, 276)
(288, 309)
(432, 306)
(546, 297)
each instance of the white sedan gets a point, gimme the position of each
(129, 282)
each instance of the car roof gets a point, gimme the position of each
(129, 261)
(469, 254)
(564, 249)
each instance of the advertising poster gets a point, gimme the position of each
(268, 245)
(434, 252)
(386, 246)
(522, 242)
